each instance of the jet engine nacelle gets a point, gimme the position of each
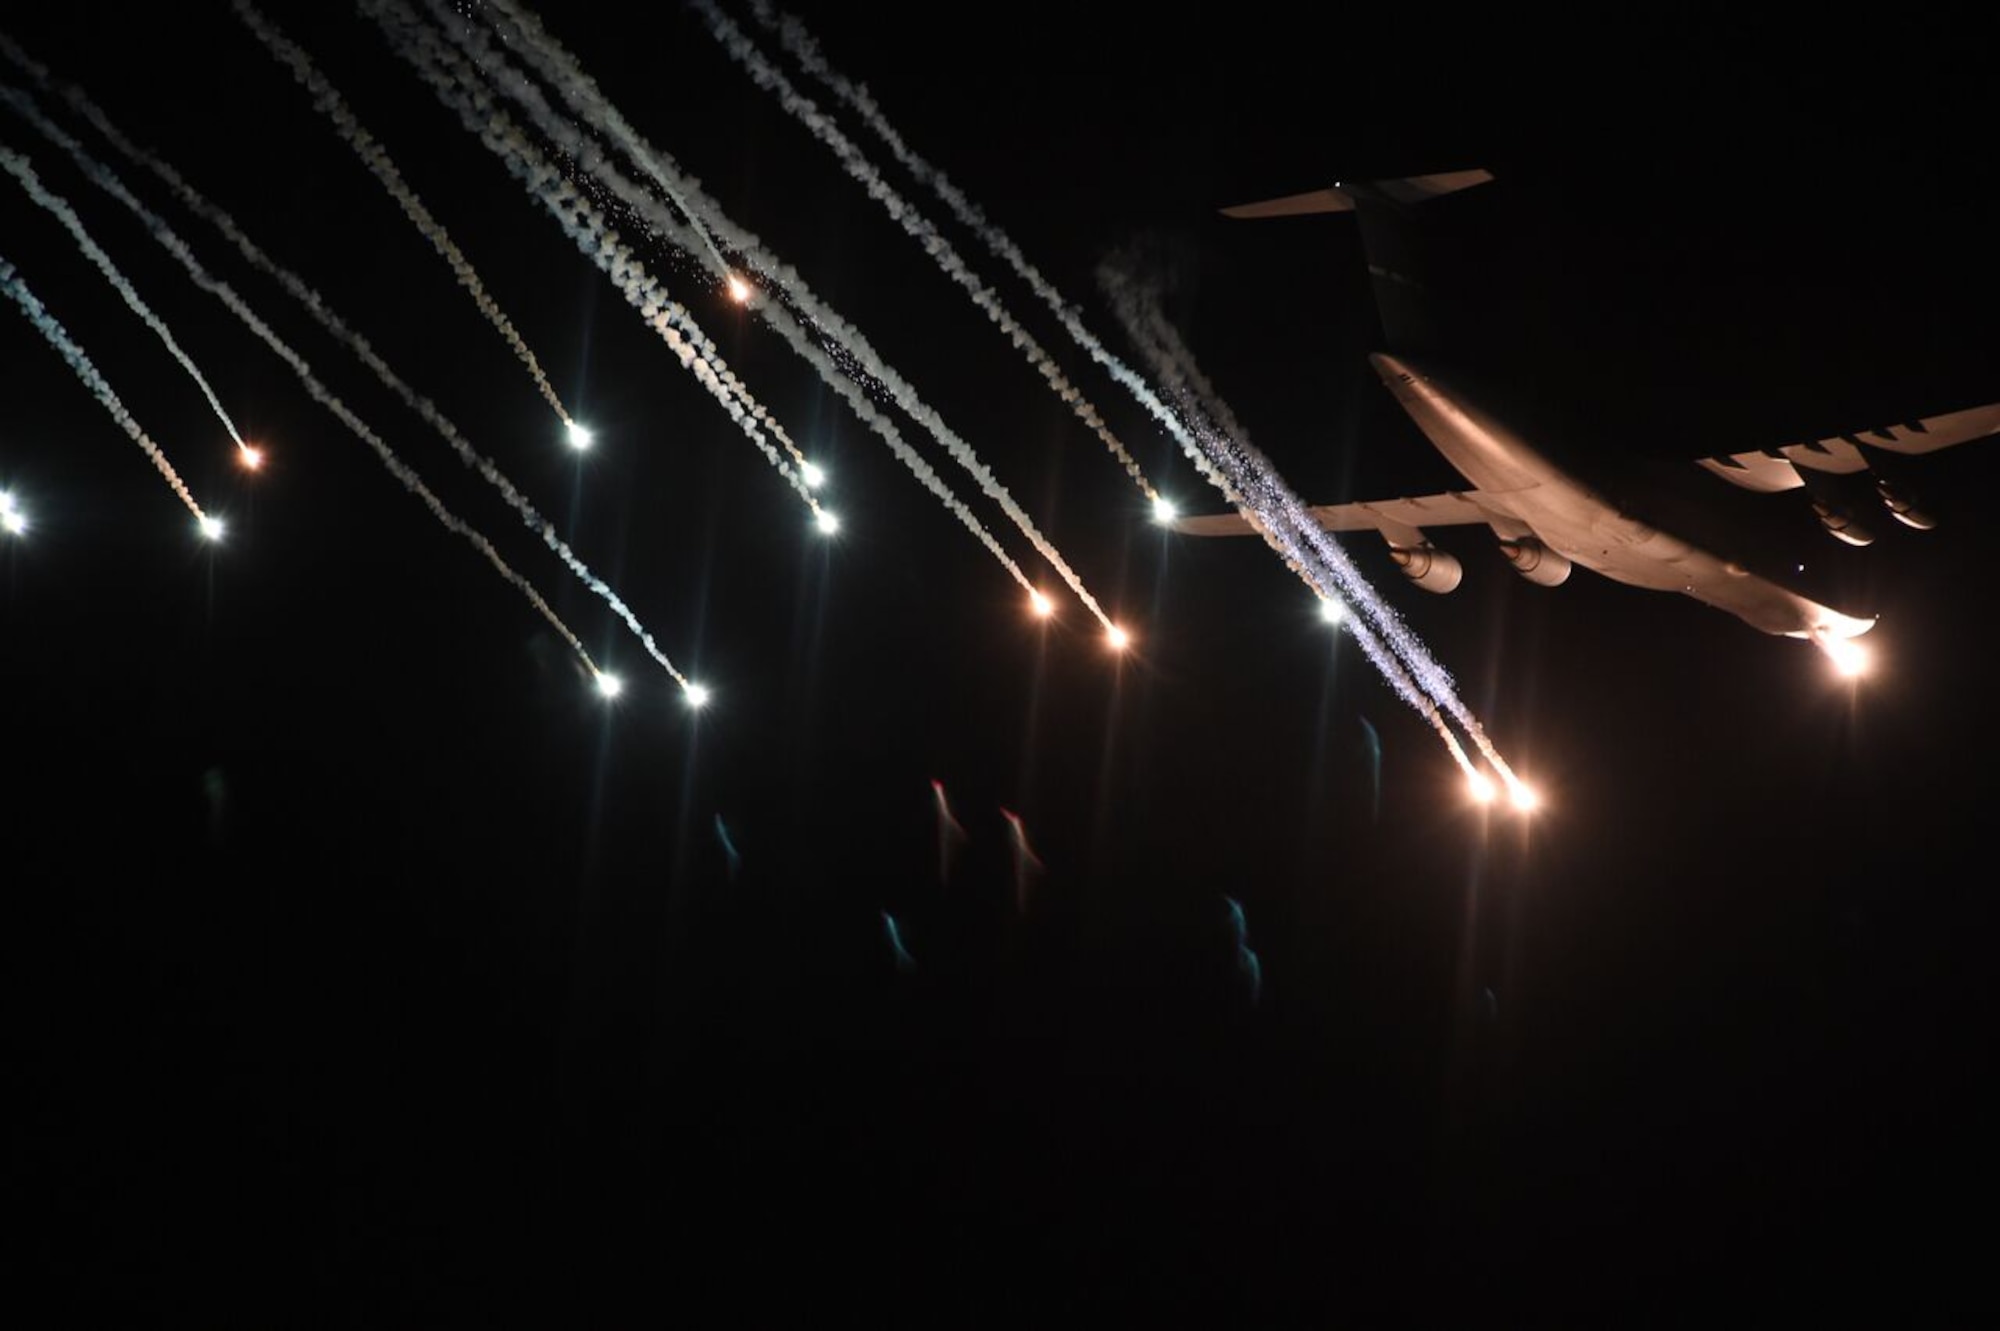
(1900, 506)
(1839, 521)
(1428, 567)
(1535, 561)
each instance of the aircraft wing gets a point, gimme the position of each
(1392, 517)
(1774, 469)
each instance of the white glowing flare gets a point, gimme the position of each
(1524, 798)
(1118, 638)
(250, 456)
(827, 522)
(812, 474)
(1164, 510)
(211, 527)
(13, 520)
(609, 685)
(1483, 788)
(1849, 658)
(739, 290)
(579, 436)
(1041, 605)
(697, 696)
(1330, 610)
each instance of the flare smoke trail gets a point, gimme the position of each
(793, 36)
(329, 103)
(560, 69)
(572, 141)
(1176, 368)
(108, 181)
(768, 77)
(51, 329)
(1248, 481)
(397, 467)
(587, 227)
(528, 25)
(18, 167)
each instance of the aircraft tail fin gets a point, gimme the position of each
(1393, 239)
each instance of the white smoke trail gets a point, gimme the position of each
(328, 101)
(768, 77)
(1276, 513)
(108, 181)
(796, 40)
(587, 227)
(52, 329)
(562, 71)
(18, 167)
(1176, 364)
(572, 141)
(400, 470)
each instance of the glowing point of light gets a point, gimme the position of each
(1330, 610)
(250, 456)
(827, 522)
(1164, 511)
(1524, 797)
(697, 696)
(579, 436)
(1482, 787)
(1118, 638)
(211, 527)
(739, 290)
(1042, 605)
(13, 520)
(812, 474)
(1849, 658)
(609, 684)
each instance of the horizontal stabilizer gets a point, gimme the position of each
(1341, 197)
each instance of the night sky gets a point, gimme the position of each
(365, 967)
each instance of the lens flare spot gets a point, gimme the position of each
(697, 696)
(250, 457)
(1041, 605)
(1118, 638)
(1164, 510)
(812, 474)
(1524, 797)
(827, 522)
(609, 685)
(739, 290)
(14, 521)
(211, 527)
(579, 436)
(1331, 610)
(1483, 789)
